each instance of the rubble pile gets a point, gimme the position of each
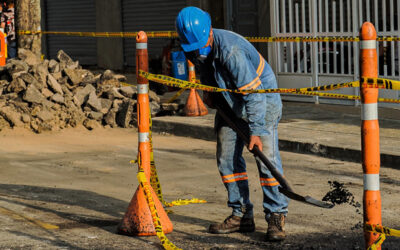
(49, 95)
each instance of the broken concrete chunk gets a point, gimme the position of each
(15, 66)
(113, 93)
(13, 117)
(170, 106)
(91, 124)
(153, 96)
(125, 113)
(16, 86)
(33, 95)
(58, 98)
(30, 80)
(128, 91)
(107, 75)
(54, 66)
(120, 78)
(63, 57)
(54, 85)
(25, 118)
(57, 75)
(95, 115)
(94, 102)
(109, 118)
(47, 93)
(45, 115)
(28, 57)
(82, 95)
(105, 105)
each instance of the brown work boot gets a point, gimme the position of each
(276, 224)
(233, 224)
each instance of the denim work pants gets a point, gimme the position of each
(232, 168)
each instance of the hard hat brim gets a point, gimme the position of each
(187, 47)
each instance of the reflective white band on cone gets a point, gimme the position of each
(191, 68)
(369, 111)
(368, 44)
(371, 182)
(143, 88)
(144, 137)
(141, 45)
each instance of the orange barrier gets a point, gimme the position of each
(370, 132)
(194, 105)
(138, 220)
(3, 49)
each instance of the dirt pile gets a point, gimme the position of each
(49, 95)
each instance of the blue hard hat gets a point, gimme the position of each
(193, 26)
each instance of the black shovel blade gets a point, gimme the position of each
(306, 199)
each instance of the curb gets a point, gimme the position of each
(332, 152)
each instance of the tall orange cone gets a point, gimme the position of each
(3, 49)
(194, 105)
(138, 220)
(370, 132)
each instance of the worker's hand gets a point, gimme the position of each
(255, 140)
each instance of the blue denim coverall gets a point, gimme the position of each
(235, 64)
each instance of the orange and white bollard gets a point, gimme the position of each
(3, 49)
(194, 105)
(370, 131)
(138, 220)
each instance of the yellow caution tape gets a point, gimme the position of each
(380, 83)
(377, 244)
(155, 182)
(173, 34)
(173, 82)
(181, 202)
(381, 230)
(368, 82)
(156, 218)
(179, 93)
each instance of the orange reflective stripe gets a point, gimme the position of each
(256, 81)
(270, 184)
(231, 175)
(267, 179)
(251, 83)
(236, 179)
(261, 65)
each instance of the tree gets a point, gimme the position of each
(28, 16)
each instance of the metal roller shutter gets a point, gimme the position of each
(72, 15)
(157, 15)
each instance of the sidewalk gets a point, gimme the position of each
(327, 130)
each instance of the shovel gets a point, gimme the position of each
(241, 127)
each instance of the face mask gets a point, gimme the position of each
(203, 53)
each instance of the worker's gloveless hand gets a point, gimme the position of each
(255, 140)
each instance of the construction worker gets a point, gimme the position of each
(227, 60)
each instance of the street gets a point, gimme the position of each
(70, 189)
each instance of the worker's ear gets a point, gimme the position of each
(211, 38)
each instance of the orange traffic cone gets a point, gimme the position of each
(194, 104)
(138, 219)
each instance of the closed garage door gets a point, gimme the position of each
(71, 15)
(147, 15)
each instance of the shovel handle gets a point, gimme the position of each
(275, 173)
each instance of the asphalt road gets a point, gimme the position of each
(70, 189)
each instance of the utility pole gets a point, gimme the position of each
(27, 17)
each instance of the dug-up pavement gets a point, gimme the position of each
(332, 131)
